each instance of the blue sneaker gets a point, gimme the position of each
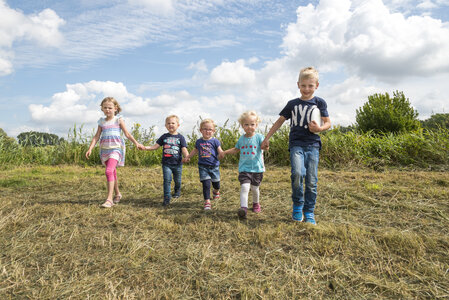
(297, 213)
(166, 202)
(310, 218)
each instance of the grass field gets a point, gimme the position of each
(380, 235)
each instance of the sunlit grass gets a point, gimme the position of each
(380, 235)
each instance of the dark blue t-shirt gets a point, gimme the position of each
(171, 148)
(208, 152)
(298, 112)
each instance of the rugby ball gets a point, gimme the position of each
(315, 115)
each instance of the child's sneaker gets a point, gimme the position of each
(107, 204)
(216, 195)
(117, 198)
(309, 218)
(177, 194)
(297, 213)
(166, 202)
(242, 212)
(256, 207)
(207, 205)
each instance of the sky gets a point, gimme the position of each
(213, 59)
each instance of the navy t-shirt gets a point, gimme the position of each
(298, 112)
(208, 152)
(172, 148)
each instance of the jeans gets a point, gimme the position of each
(167, 171)
(304, 161)
(209, 172)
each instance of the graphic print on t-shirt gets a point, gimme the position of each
(205, 150)
(171, 147)
(301, 114)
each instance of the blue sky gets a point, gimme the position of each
(215, 58)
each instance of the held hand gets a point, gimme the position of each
(221, 155)
(88, 154)
(265, 145)
(186, 159)
(140, 146)
(313, 127)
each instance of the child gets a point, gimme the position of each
(208, 149)
(112, 146)
(304, 144)
(174, 147)
(251, 166)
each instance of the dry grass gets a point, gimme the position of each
(379, 235)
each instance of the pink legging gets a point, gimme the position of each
(111, 171)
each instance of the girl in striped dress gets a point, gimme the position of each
(112, 146)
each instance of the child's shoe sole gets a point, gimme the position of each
(242, 212)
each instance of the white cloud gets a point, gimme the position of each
(41, 29)
(155, 6)
(368, 40)
(232, 73)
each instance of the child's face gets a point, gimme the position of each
(207, 130)
(307, 87)
(172, 125)
(250, 125)
(109, 109)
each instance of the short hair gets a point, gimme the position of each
(172, 116)
(113, 101)
(207, 121)
(308, 73)
(246, 114)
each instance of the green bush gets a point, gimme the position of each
(382, 114)
(436, 121)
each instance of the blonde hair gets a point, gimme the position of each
(246, 114)
(113, 101)
(207, 121)
(308, 73)
(172, 116)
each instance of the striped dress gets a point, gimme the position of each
(112, 144)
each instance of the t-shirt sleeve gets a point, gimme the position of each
(160, 140)
(183, 142)
(323, 108)
(286, 112)
(238, 144)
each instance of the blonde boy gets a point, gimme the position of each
(304, 143)
(175, 146)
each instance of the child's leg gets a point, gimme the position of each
(297, 175)
(206, 189)
(256, 193)
(177, 177)
(216, 191)
(311, 179)
(244, 190)
(167, 174)
(111, 176)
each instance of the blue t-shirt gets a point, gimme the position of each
(172, 148)
(299, 111)
(208, 152)
(251, 154)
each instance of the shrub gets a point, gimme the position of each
(382, 114)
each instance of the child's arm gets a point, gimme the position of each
(129, 135)
(154, 147)
(93, 142)
(189, 156)
(185, 152)
(229, 151)
(274, 128)
(315, 128)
